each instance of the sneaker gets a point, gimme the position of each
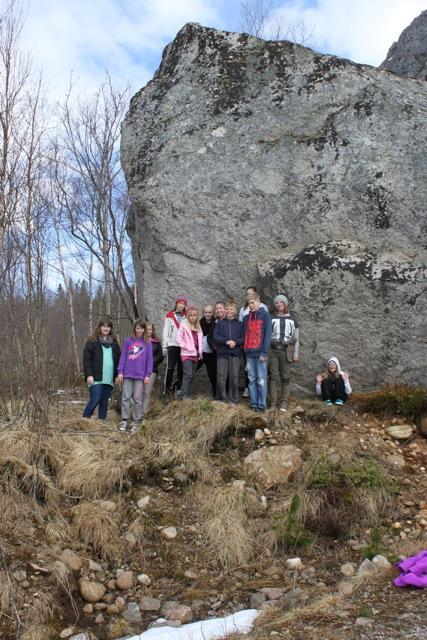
(340, 402)
(134, 426)
(284, 407)
(123, 426)
(245, 393)
(328, 402)
(261, 409)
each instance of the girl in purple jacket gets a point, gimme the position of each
(134, 371)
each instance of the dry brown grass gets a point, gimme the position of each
(96, 528)
(80, 424)
(18, 512)
(39, 632)
(29, 479)
(119, 629)
(320, 611)
(225, 525)
(137, 528)
(57, 529)
(5, 594)
(185, 434)
(94, 468)
(41, 609)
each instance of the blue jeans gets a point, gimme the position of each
(99, 395)
(257, 375)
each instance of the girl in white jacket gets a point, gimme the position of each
(171, 349)
(333, 385)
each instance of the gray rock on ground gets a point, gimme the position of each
(273, 466)
(265, 162)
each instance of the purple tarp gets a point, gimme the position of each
(414, 571)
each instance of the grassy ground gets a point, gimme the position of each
(74, 483)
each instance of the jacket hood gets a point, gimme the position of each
(337, 362)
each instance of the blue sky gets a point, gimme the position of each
(126, 37)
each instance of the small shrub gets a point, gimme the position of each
(365, 473)
(321, 474)
(364, 611)
(341, 492)
(375, 546)
(289, 532)
(398, 399)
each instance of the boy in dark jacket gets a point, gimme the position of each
(228, 336)
(257, 339)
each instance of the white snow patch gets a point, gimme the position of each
(240, 622)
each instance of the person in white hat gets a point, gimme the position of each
(284, 334)
(333, 385)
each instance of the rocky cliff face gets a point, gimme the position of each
(267, 163)
(408, 56)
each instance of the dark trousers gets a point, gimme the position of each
(173, 359)
(279, 369)
(99, 395)
(209, 360)
(228, 369)
(190, 368)
(333, 389)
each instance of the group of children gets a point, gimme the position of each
(269, 345)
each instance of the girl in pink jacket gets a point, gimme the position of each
(189, 338)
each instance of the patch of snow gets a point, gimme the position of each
(240, 622)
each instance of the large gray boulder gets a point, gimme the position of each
(267, 163)
(408, 56)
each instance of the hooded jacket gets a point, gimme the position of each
(347, 386)
(257, 333)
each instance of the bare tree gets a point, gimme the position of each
(15, 79)
(94, 191)
(262, 19)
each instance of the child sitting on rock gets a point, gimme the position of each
(333, 385)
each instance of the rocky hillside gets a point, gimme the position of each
(408, 56)
(265, 162)
(210, 510)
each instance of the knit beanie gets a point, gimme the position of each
(281, 298)
(181, 299)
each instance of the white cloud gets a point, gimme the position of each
(121, 36)
(362, 30)
(126, 37)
